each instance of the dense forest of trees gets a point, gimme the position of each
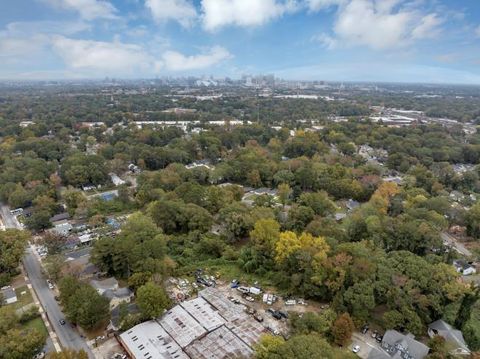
(384, 254)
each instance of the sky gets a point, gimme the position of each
(431, 41)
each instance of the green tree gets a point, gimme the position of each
(82, 303)
(472, 220)
(152, 300)
(284, 193)
(21, 343)
(12, 249)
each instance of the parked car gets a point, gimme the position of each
(275, 314)
(235, 283)
(243, 290)
(283, 314)
(356, 349)
(365, 329)
(379, 338)
(258, 317)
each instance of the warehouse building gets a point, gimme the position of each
(209, 326)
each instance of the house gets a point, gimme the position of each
(403, 346)
(8, 294)
(352, 204)
(134, 168)
(451, 335)
(117, 296)
(117, 181)
(464, 267)
(105, 284)
(62, 228)
(59, 218)
(85, 238)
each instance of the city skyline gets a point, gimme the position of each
(333, 40)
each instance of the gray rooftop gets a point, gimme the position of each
(222, 304)
(104, 284)
(219, 344)
(149, 341)
(403, 346)
(181, 325)
(246, 329)
(450, 334)
(8, 293)
(203, 313)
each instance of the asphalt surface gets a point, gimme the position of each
(67, 335)
(452, 242)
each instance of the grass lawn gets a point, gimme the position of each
(227, 270)
(24, 299)
(38, 324)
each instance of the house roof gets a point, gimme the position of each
(8, 293)
(105, 284)
(404, 345)
(117, 293)
(450, 334)
(60, 217)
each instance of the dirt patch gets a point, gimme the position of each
(107, 349)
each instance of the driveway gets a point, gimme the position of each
(366, 343)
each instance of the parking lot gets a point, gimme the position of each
(366, 343)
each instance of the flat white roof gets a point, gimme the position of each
(221, 304)
(181, 325)
(150, 341)
(219, 344)
(203, 313)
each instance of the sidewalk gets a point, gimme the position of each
(51, 333)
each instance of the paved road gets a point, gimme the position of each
(8, 220)
(452, 242)
(68, 337)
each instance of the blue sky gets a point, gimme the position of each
(435, 41)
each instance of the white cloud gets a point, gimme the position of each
(88, 9)
(378, 24)
(176, 61)
(182, 11)
(428, 27)
(30, 28)
(98, 56)
(15, 48)
(246, 13)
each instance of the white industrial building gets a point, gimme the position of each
(205, 327)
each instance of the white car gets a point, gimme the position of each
(356, 349)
